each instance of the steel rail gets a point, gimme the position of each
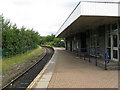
(20, 75)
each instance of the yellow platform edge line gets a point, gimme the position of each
(37, 77)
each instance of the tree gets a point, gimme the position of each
(17, 41)
(52, 41)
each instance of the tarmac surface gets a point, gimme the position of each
(66, 70)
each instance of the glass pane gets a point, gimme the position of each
(97, 42)
(119, 24)
(114, 26)
(115, 55)
(115, 41)
(119, 40)
(108, 28)
(109, 52)
(109, 42)
(119, 36)
(119, 54)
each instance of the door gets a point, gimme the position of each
(83, 44)
(71, 48)
(115, 46)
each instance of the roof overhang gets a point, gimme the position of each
(89, 15)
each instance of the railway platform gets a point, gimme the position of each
(66, 70)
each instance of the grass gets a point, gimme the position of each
(9, 63)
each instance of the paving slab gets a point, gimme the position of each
(66, 70)
(72, 72)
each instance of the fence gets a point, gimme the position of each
(94, 53)
(4, 53)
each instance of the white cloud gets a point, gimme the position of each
(45, 16)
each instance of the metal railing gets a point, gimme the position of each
(97, 53)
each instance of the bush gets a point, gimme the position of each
(52, 41)
(17, 41)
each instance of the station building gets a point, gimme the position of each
(93, 27)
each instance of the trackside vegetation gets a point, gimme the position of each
(50, 40)
(22, 44)
(9, 63)
(17, 41)
(20, 48)
(20, 40)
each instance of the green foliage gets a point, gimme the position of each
(9, 63)
(17, 41)
(1, 31)
(50, 40)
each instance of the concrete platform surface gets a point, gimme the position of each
(66, 70)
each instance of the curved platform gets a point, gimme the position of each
(66, 70)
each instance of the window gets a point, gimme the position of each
(115, 41)
(114, 26)
(119, 24)
(119, 54)
(115, 55)
(108, 28)
(109, 42)
(109, 52)
(119, 40)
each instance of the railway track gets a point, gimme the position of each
(25, 78)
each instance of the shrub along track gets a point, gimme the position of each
(24, 79)
(27, 60)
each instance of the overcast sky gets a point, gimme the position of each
(45, 16)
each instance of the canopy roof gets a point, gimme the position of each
(89, 14)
